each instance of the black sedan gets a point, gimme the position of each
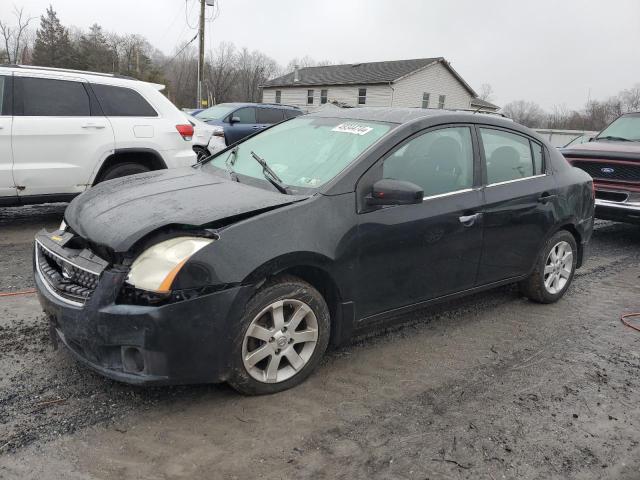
(245, 267)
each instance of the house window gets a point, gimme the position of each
(425, 100)
(441, 99)
(323, 96)
(278, 96)
(362, 96)
(309, 97)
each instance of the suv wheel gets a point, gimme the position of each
(201, 153)
(554, 269)
(284, 334)
(122, 170)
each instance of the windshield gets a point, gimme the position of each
(305, 152)
(627, 127)
(217, 112)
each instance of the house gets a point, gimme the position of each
(422, 83)
(483, 106)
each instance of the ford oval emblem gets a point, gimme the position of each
(607, 170)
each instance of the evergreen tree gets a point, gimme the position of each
(94, 51)
(53, 47)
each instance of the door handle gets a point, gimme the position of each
(469, 220)
(545, 197)
(93, 125)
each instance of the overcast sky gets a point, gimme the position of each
(548, 51)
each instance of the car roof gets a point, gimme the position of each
(262, 105)
(401, 115)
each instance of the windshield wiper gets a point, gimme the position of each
(611, 137)
(269, 174)
(230, 162)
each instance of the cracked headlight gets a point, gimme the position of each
(156, 268)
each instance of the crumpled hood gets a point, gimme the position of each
(120, 212)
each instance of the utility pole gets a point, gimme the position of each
(201, 54)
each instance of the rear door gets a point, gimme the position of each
(243, 127)
(265, 116)
(59, 135)
(520, 198)
(7, 185)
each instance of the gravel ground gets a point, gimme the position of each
(492, 386)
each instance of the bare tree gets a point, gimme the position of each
(486, 92)
(631, 98)
(222, 72)
(15, 36)
(304, 62)
(526, 113)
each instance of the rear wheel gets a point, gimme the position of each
(284, 334)
(122, 170)
(554, 269)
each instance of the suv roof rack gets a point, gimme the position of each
(69, 70)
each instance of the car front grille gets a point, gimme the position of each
(611, 171)
(69, 281)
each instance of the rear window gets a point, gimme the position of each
(42, 97)
(122, 102)
(269, 115)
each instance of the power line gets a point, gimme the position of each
(181, 50)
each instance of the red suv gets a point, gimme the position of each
(613, 160)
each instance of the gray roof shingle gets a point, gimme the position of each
(483, 103)
(353, 73)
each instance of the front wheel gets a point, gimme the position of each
(554, 269)
(283, 335)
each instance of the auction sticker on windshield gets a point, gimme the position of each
(352, 128)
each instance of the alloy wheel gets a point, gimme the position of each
(558, 267)
(280, 341)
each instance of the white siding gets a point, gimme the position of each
(377, 95)
(436, 80)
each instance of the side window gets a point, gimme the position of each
(3, 107)
(269, 115)
(278, 96)
(309, 97)
(292, 113)
(246, 115)
(538, 163)
(440, 161)
(441, 100)
(508, 155)
(44, 97)
(323, 96)
(122, 102)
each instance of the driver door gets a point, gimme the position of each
(243, 127)
(410, 254)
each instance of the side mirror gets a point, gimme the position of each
(395, 192)
(234, 120)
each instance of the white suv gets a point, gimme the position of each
(62, 131)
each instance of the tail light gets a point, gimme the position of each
(185, 131)
(593, 191)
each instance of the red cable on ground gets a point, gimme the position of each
(629, 315)
(15, 294)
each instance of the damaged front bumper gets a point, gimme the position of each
(177, 343)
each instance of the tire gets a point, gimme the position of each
(122, 170)
(551, 277)
(292, 353)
